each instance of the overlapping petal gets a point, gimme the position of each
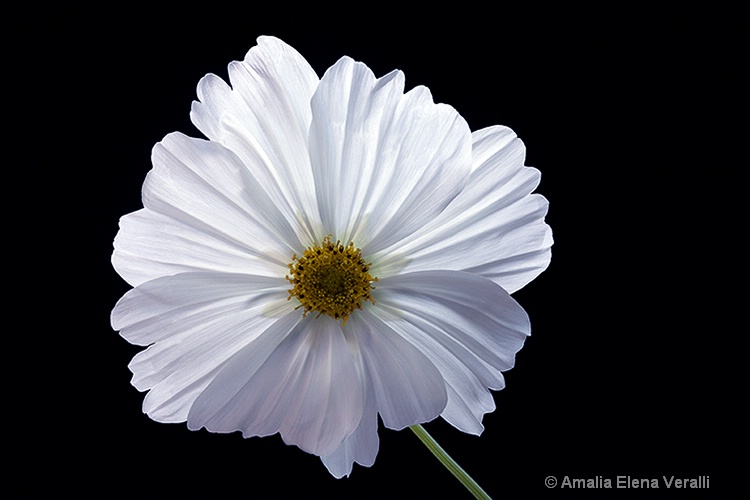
(195, 323)
(264, 118)
(363, 444)
(201, 197)
(385, 162)
(400, 384)
(298, 378)
(494, 227)
(467, 325)
(406, 384)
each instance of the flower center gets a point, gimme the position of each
(331, 279)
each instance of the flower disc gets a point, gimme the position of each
(331, 279)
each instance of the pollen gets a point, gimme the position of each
(330, 278)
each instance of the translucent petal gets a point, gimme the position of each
(407, 387)
(362, 446)
(385, 162)
(467, 325)
(150, 245)
(203, 185)
(298, 378)
(264, 119)
(196, 321)
(494, 227)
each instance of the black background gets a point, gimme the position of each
(622, 109)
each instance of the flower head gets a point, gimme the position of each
(336, 250)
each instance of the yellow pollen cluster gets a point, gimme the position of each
(331, 279)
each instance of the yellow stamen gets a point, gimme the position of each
(331, 279)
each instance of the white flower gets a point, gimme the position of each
(238, 278)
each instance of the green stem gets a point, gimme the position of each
(449, 463)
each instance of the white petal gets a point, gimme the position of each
(407, 387)
(215, 99)
(298, 378)
(264, 119)
(468, 396)
(467, 325)
(494, 227)
(197, 321)
(203, 184)
(487, 142)
(362, 446)
(150, 245)
(385, 163)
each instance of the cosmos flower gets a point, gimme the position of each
(337, 250)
